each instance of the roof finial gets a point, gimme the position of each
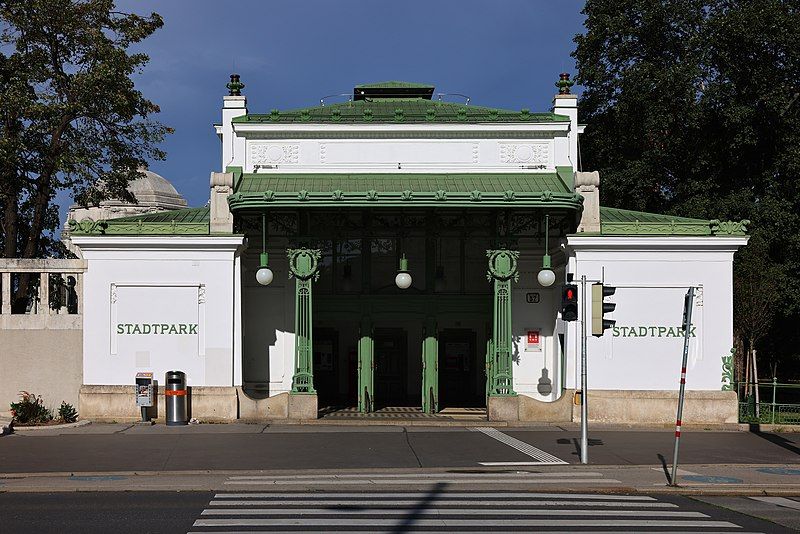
(564, 83)
(234, 86)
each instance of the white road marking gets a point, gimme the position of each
(680, 471)
(439, 512)
(497, 464)
(521, 446)
(485, 495)
(441, 502)
(779, 501)
(522, 474)
(399, 482)
(372, 522)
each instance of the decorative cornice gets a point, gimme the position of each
(675, 227)
(90, 227)
(244, 201)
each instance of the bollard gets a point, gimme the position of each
(177, 398)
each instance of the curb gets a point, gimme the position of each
(16, 428)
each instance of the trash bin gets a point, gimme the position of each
(177, 398)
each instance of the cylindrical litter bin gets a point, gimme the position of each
(177, 398)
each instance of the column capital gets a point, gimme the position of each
(502, 264)
(304, 263)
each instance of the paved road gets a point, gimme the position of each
(438, 509)
(234, 447)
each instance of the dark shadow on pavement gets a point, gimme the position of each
(782, 442)
(577, 443)
(408, 522)
(666, 469)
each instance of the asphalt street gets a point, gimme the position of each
(435, 510)
(237, 447)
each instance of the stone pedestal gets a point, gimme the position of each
(503, 408)
(302, 406)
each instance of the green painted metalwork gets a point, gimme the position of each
(615, 221)
(489, 366)
(564, 84)
(502, 270)
(414, 110)
(235, 86)
(304, 267)
(430, 367)
(131, 226)
(727, 371)
(366, 367)
(258, 191)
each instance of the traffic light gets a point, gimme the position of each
(569, 302)
(600, 308)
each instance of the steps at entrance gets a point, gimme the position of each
(402, 414)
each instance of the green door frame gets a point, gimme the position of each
(366, 366)
(430, 367)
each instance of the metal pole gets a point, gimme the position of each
(774, 387)
(687, 323)
(755, 386)
(584, 396)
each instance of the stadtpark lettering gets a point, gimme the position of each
(651, 331)
(157, 328)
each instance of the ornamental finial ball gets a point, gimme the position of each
(234, 86)
(564, 83)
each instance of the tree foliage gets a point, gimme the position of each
(692, 109)
(70, 115)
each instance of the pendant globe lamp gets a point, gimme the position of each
(403, 279)
(546, 276)
(264, 274)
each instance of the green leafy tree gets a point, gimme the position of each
(692, 109)
(70, 115)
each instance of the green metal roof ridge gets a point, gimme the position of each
(621, 222)
(186, 221)
(391, 84)
(199, 214)
(399, 111)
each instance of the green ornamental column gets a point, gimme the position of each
(304, 267)
(430, 367)
(502, 270)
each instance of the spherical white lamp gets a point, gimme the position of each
(546, 276)
(403, 279)
(264, 274)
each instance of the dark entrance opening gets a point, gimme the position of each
(391, 367)
(461, 377)
(326, 367)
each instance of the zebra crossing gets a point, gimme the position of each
(448, 511)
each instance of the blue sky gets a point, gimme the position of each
(503, 53)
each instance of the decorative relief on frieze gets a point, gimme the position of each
(475, 153)
(323, 149)
(274, 154)
(537, 154)
(201, 294)
(698, 296)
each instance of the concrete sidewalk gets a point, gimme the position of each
(699, 480)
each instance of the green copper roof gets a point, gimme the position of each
(394, 84)
(399, 111)
(188, 221)
(405, 189)
(614, 221)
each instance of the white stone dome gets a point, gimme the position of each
(153, 190)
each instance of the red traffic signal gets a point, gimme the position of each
(569, 302)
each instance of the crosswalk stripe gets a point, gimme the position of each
(576, 473)
(439, 512)
(482, 480)
(441, 503)
(374, 521)
(494, 531)
(779, 501)
(472, 495)
(525, 448)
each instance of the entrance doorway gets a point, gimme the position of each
(461, 377)
(391, 367)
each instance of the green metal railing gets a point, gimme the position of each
(777, 403)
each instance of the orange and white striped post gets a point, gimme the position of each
(687, 323)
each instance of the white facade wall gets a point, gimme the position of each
(158, 281)
(652, 275)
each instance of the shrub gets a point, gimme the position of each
(30, 409)
(67, 413)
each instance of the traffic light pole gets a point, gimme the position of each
(584, 396)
